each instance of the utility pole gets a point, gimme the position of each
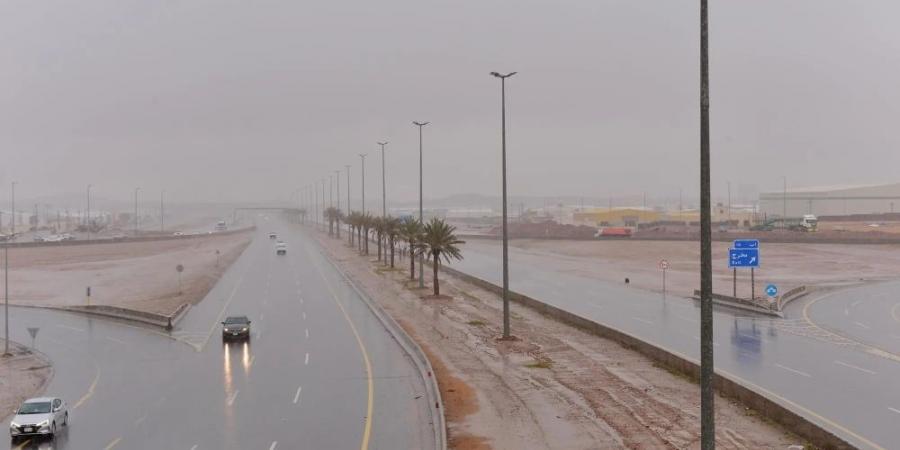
(505, 230)
(707, 396)
(784, 205)
(12, 235)
(316, 202)
(383, 183)
(337, 184)
(162, 211)
(729, 204)
(89, 210)
(421, 215)
(362, 187)
(136, 210)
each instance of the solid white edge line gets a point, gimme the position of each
(894, 410)
(233, 397)
(859, 324)
(643, 320)
(306, 360)
(297, 395)
(272, 447)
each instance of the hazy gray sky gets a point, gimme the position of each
(251, 100)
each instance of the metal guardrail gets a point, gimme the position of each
(415, 353)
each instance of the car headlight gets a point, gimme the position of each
(244, 329)
(13, 425)
(44, 424)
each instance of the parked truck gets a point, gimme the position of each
(807, 223)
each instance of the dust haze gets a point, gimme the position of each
(233, 101)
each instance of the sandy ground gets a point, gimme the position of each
(23, 375)
(785, 265)
(554, 388)
(138, 275)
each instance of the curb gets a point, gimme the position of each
(791, 416)
(411, 348)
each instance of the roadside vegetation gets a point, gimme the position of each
(409, 237)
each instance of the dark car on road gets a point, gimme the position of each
(236, 327)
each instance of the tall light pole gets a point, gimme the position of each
(349, 229)
(316, 202)
(362, 157)
(383, 183)
(12, 236)
(89, 210)
(505, 235)
(421, 216)
(323, 203)
(136, 190)
(162, 211)
(707, 413)
(331, 191)
(337, 185)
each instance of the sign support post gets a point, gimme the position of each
(752, 284)
(734, 280)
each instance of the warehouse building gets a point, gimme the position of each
(831, 200)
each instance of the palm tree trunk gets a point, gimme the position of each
(378, 237)
(392, 252)
(412, 262)
(434, 266)
(339, 228)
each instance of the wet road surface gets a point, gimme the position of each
(319, 371)
(845, 388)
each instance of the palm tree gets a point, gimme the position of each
(378, 228)
(338, 217)
(411, 232)
(352, 221)
(439, 241)
(367, 223)
(391, 230)
(331, 214)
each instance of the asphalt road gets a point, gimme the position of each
(320, 371)
(848, 388)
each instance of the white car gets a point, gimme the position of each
(281, 248)
(39, 416)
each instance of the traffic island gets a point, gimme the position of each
(25, 373)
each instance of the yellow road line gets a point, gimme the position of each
(113, 443)
(367, 431)
(90, 391)
(895, 314)
(870, 349)
(23, 444)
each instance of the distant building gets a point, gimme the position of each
(831, 200)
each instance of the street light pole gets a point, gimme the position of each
(421, 218)
(162, 211)
(136, 210)
(383, 183)
(707, 396)
(89, 210)
(349, 229)
(337, 185)
(12, 236)
(362, 156)
(316, 202)
(505, 235)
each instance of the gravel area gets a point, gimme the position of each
(23, 375)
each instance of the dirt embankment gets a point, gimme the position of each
(137, 275)
(22, 375)
(555, 387)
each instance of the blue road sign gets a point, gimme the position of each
(743, 257)
(771, 290)
(746, 243)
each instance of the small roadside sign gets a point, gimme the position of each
(663, 264)
(746, 243)
(33, 332)
(771, 290)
